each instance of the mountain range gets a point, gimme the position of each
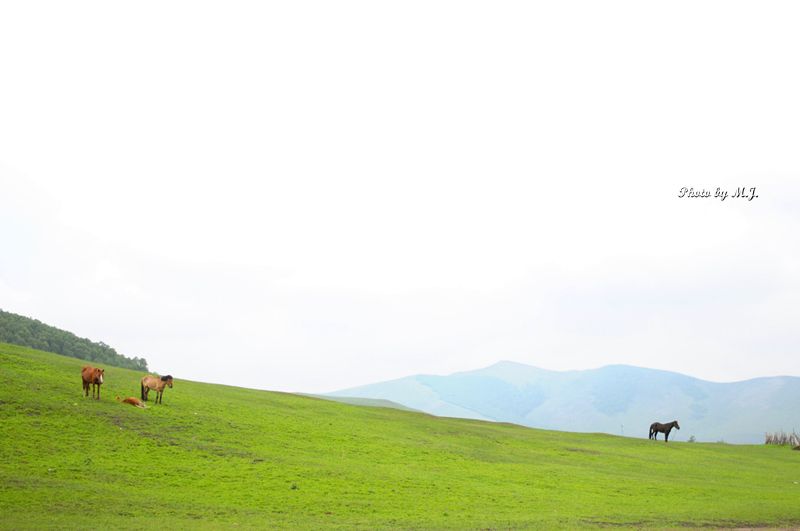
(616, 399)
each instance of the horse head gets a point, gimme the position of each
(168, 379)
(98, 375)
(675, 422)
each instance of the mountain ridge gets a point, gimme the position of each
(603, 399)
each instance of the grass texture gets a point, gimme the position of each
(214, 456)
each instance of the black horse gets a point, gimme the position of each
(663, 428)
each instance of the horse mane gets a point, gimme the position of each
(165, 378)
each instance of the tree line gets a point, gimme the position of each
(32, 333)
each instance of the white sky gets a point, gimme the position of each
(315, 195)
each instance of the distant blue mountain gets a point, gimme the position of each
(617, 399)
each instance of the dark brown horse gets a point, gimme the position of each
(657, 427)
(156, 383)
(94, 377)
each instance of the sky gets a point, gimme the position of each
(309, 196)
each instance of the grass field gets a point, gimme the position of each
(217, 456)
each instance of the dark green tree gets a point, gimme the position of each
(28, 332)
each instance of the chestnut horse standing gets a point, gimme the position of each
(94, 377)
(157, 384)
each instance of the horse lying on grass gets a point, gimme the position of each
(657, 427)
(157, 384)
(94, 377)
(132, 400)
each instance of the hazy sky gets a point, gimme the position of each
(315, 195)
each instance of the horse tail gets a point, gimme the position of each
(142, 384)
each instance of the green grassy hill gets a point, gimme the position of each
(217, 456)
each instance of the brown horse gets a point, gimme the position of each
(157, 384)
(657, 427)
(94, 377)
(132, 400)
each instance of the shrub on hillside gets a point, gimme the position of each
(782, 438)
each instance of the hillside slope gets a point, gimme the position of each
(368, 402)
(216, 456)
(617, 399)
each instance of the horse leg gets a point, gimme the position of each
(666, 436)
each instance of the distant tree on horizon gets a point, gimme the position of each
(32, 333)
